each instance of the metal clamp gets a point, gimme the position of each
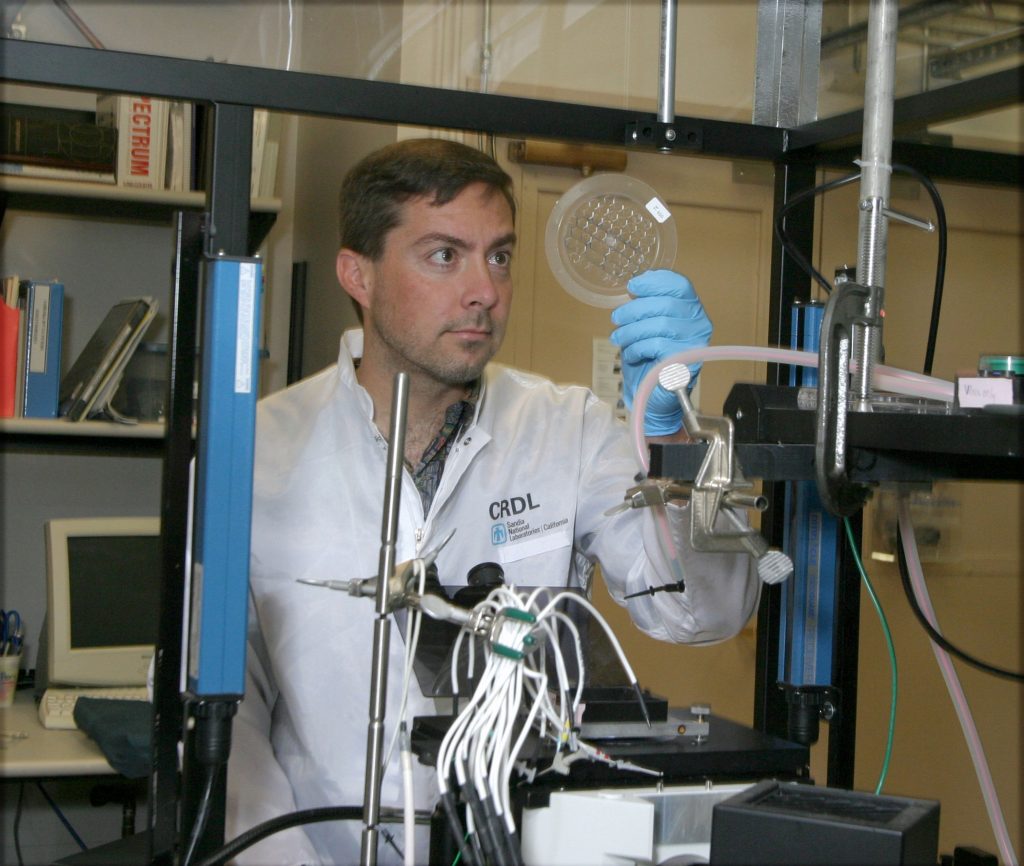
(649, 492)
(719, 485)
(846, 309)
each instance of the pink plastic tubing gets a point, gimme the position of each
(885, 379)
(956, 692)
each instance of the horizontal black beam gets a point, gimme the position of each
(914, 113)
(793, 462)
(774, 440)
(940, 162)
(153, 212)
(356, 99)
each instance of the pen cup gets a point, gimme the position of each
(9, 666)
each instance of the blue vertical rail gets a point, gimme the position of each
(223, 503)
(810, 539)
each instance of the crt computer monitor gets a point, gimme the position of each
(103, 597)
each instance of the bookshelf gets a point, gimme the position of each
(107, 200)
(91, 429)
(104, 242)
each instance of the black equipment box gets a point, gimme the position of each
(790, 824)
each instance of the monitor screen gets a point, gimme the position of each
(103, 595)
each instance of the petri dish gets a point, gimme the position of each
(605, 230)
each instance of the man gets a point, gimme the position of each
(525, 471)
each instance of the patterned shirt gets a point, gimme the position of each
(427, 473)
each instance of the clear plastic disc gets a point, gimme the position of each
(605, 230)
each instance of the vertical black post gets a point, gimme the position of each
(789, 284)
(228, 179)
(228, 170)
(842, 729)
(164, 788)
(297, 321)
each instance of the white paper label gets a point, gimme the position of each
(974, 392)
(658, 210)
(40, 329)
(244, 336)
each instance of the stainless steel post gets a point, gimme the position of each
(667, 66)
(876, 173)
(382, 624)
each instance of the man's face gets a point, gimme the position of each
(437, 301)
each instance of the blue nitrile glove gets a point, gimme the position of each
(663, 317)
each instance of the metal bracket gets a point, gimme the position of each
(718, 485)
(846, 308)
(665, 136)
(806, 706)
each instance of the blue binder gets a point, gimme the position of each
(45, 317)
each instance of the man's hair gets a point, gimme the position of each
(374, 191)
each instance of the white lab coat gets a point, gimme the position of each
(527, 485)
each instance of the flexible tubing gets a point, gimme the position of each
(956, 692)
(409, 806)
(885, 379)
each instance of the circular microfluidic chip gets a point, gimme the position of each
(604, 231)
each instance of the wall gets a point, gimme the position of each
(326, 148)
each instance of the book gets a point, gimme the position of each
(10, 318)
(56, 137)
(19, 373)
(260, 124)
(268, 174)
(44, 317)
(266, 141)
(86, 389)
(271, 148)
(53, 172)
(178, 175)
(141, 124)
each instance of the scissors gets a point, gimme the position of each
(10, 632)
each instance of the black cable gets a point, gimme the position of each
(488, 831)
(276, 825)
(62, 817)
(17, 823)
(935, 635)
(455, 827)
(943, 239)
(517, 849)
(940, 267)
(783, 238)
(483, 843)
(476, 838)
(499, 833)
(202, 815)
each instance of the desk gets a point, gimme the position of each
(44, 753)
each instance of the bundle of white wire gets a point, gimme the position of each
(480, 750)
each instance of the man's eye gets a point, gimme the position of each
(444, 256)
(502, 258)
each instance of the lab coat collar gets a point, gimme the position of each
(351, 349)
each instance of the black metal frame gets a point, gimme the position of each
(234, 90)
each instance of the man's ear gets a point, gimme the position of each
(355, 274)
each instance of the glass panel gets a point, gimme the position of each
(939, 44)
(594, 52)
(599, 52)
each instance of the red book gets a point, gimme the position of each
(9, 320)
